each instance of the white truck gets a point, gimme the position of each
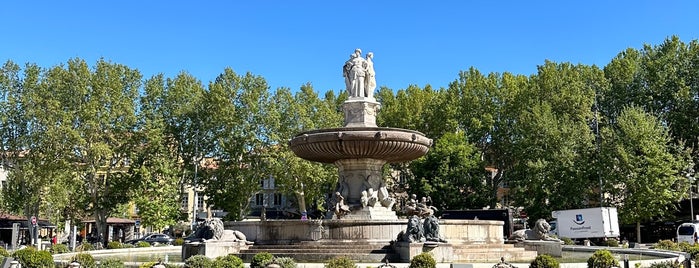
(599, 222)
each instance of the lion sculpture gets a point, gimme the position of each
(431, 228)
(540, 232)
(212, 229)
(414, 232)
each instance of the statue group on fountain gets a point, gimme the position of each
(421, 208)
(360, 78)
(369, 196)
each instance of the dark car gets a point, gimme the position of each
(152, 239)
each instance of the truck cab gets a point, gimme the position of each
(688, 232)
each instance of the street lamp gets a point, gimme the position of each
(690, 177)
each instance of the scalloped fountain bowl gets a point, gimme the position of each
(394, 145)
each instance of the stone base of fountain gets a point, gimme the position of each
(319, 240)
(213, 248)
(551, 248)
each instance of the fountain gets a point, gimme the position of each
(362, 223)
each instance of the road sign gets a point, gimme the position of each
(137, 223)
(33, 220)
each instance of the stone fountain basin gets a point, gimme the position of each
(394, 145)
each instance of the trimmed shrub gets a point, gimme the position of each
(85, 259)
(142, 244)
(228, 261)
(260, 258)
(285, 262)
(178, 242)
(423, 260)
(544, 261)
(59, 249)
(198, 261)
(114, 245)
(84, 247)
(602, 259)
(341, 262)
(4, 252)
(567, 241)
(666, 245)
(147, 264)
(665, 264)
(30, 257)
(611, 242)
(127, 245)
(111, 263)
(693, 251)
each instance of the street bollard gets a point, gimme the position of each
(14, 264)
(687, 260)
(626, 261)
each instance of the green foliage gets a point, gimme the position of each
(667, 245)
(4, 252)
(85, 259)
(602, 259)
(567, 241)
(341, 262)
(610, 242)
(451, 161)
(126, 245)
(260, 258)
(648, 167)
(198, 261)
(59, 249)
(111, 263)
(142, 244)
(147, 264)
(423, 260)
(285, 262)
(665, 264)
(544, 261)
(32, 258)
(693, 251)
(84, 247)
(114, 245)
(178, 242)
(228, 261)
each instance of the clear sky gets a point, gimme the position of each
(290, 43)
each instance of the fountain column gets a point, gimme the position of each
(360, 149)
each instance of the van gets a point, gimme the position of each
(687, 232)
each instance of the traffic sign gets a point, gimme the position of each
(33, 220)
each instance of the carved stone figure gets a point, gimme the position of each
(359, 74)
(342, 186)
(385, 199)
(410, 207)
(370, 76)
(341, 209)
(540, 232)
(431, 228)
(212, 229)
(414, 232)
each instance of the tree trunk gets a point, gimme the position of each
(638, 232)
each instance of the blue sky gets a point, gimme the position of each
(290, 43)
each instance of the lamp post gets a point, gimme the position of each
(690, 178)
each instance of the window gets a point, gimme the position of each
(200, 202)
(277, 199)
(185, 201)
(259, 199)
(262, 183)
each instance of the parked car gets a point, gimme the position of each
(155, 238)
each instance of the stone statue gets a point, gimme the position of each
(370, 79)
(342, 186)
(431, 228)
(540, 232)
(341, 209)
(360, 78)
(385, 199)
(414, 232)
(212, 229)
(372, 199)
